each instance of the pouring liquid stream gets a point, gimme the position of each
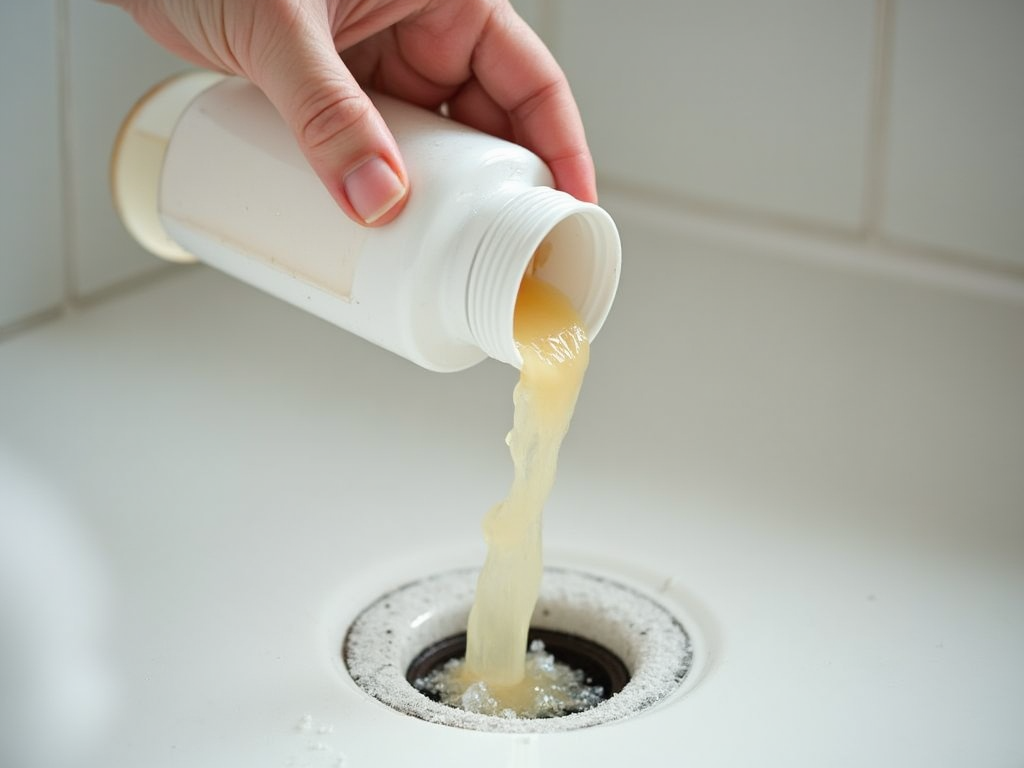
(555, 352)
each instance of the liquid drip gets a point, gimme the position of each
(548, 689)
(555, 352)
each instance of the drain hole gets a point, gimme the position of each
(600, 667)
(620, 639)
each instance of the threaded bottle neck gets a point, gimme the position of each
(580, 254)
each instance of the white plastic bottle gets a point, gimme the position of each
(204, 168)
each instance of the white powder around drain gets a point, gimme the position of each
(651, 642)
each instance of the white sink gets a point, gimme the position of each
(821, 467)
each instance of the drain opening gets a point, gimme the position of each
(422, 624)
(577, 673)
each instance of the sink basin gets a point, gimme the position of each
(819, 464)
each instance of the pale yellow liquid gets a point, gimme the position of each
(555, 353)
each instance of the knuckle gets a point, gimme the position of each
(328, 115)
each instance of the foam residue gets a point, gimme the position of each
(652, 643)
(549, 688)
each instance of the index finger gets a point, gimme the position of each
(522, 77)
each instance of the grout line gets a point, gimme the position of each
(727, 212)
(60, 60)
(76, 306)
(23, 324)
(884, 257)
(877, 153)
(669, 205)
(69, 211)
(131, 284)
(997, 268)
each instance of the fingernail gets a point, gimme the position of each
(373, 189)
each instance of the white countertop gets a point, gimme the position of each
(822, 467)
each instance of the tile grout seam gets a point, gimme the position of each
(882, 256)
(69, 214)
(877, 149)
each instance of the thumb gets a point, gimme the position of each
(338, 128)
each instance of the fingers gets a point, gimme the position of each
(495, 74)
(522, 77)
(473, 106)
(340, 132)
(479, 56)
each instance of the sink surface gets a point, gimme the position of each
(822, 467)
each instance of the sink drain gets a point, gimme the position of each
(599, 667)
(619, 637)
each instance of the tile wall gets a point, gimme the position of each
(760, 106)
(895, 124)
(31, 210)
(71, 71)
(110, 64)
(954, 170)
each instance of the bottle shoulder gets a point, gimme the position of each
(442, 149)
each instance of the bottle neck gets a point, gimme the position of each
(578, 252)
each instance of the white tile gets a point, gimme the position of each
(112, 63)
(955, 175)
(31, 272)
(758, 105)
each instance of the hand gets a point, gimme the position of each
(477, 56)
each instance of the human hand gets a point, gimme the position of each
(477, 56)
